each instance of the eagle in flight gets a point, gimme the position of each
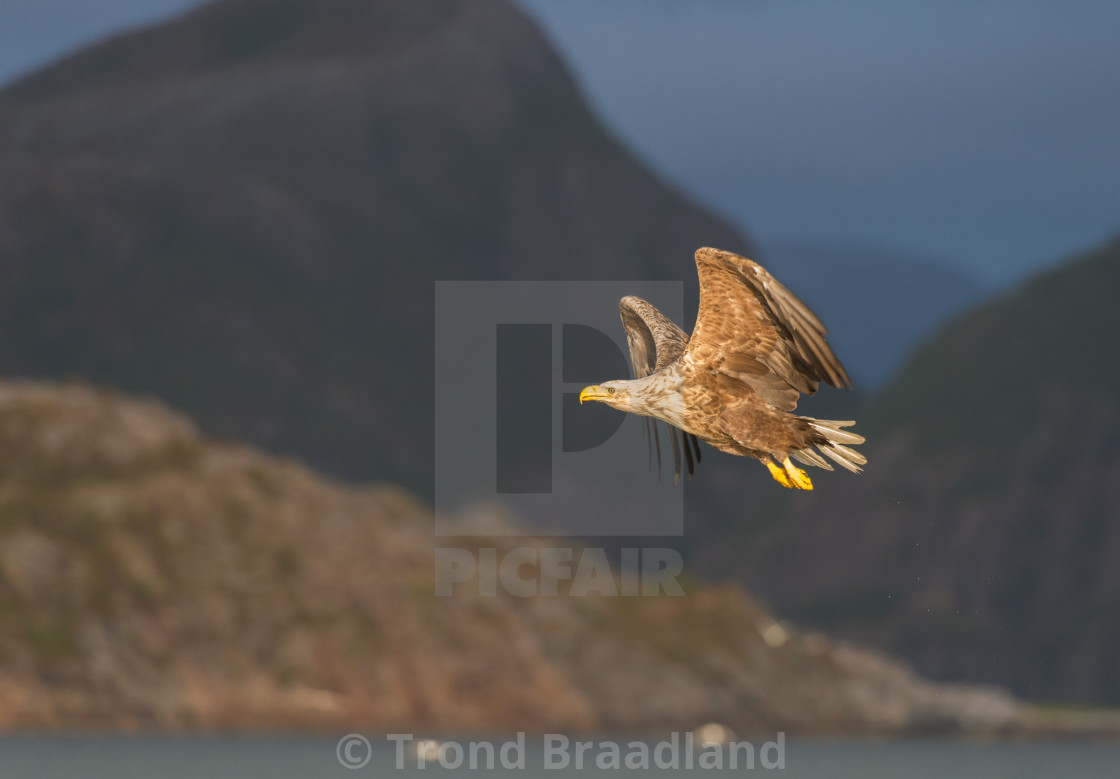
(755, 349)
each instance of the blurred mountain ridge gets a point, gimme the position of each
(154, 579)
(221, 36)
(983, 539)
(244, 211)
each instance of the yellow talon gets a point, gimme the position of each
(779, 474)
(799, 478)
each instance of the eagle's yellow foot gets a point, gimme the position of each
(799, 478)
(779, 474)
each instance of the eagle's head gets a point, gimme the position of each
(613, 393)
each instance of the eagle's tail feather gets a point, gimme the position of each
(842, 455)
(833, 447)
(809, 457)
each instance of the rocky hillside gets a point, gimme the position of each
(243, 211)
(983, 540)
(151, 578)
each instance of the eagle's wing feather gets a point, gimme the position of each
(750, 328)
(654, 339)
(655, 342)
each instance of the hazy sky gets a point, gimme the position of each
(982, 132)
(985, 133)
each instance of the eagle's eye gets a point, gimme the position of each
(610, 390)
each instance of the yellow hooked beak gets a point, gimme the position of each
(594, 392)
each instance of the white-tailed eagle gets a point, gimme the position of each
(755, 349)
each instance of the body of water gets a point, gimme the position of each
(145, 757)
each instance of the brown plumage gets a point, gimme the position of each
(755, 349)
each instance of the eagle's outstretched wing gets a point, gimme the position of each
(655, 341)
(753, 330)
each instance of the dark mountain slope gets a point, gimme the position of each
(1010, 358)
(983, 541)
(244, 211)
